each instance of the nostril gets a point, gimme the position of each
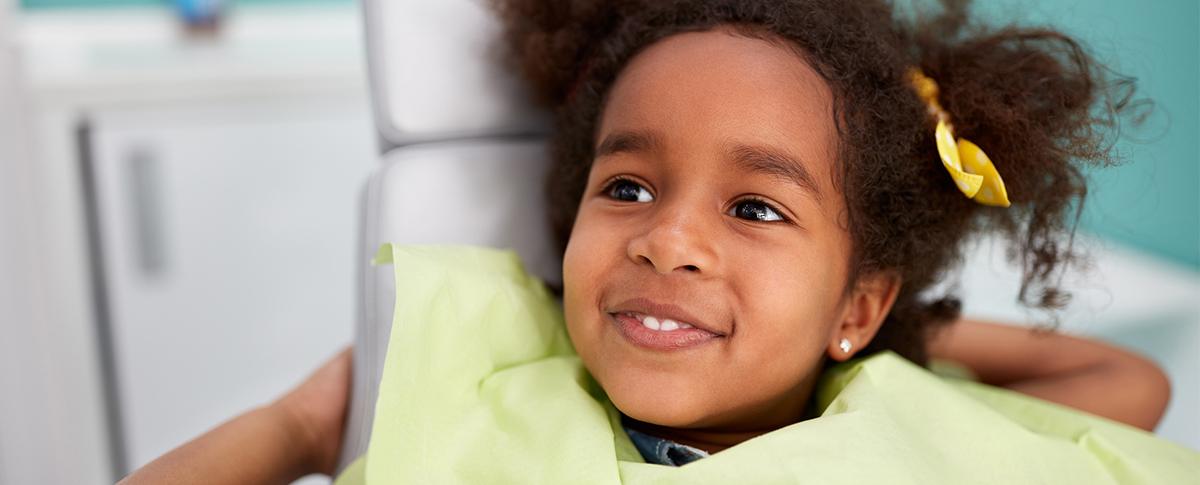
(691, 268)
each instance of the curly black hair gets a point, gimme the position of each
(1039, 104)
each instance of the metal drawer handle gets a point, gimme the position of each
(145, 205)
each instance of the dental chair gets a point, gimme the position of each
(462, 162)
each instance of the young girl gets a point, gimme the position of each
(750, 190)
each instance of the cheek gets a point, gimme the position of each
(792, 304)
(587, 255)
(804, 290)
(590, 252)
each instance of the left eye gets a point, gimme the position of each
(755, 211)
(629, 191)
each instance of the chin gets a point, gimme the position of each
(671, 405)
(668, 418)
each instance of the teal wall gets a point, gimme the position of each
(1152, 202)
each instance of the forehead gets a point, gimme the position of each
(706, 90)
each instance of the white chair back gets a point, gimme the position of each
(464, 161)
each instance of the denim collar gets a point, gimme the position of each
(663, 452)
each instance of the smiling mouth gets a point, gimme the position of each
(662, 324)
(660, 333)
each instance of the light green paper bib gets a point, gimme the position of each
(481, 385)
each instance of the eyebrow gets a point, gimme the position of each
(751, 158)
(628, 142)
(776, 163)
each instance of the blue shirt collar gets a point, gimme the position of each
(662, 451)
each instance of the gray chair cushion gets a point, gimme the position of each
(438, 72)
(480, 192)
(463, 163)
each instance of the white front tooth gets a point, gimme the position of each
(651, 323)
(668, 325)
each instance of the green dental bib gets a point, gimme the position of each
(481, 386)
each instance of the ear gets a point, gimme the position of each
(866, 307)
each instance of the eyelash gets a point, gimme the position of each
(764, 203)
(615, 181)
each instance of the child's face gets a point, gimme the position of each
(724, 217)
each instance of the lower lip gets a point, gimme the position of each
(678, 339)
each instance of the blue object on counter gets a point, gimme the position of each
(199, 12)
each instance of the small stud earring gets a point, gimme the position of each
(845, 345)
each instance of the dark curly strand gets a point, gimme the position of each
(1032, 98)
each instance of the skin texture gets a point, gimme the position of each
(677, 120)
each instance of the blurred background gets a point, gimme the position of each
(179, 187)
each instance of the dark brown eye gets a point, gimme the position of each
(628, 191)
(755, 210)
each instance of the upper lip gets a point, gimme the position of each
(646, 306)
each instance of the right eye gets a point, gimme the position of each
(628, 191)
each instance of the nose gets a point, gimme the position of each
(676, 239)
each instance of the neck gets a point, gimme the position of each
(758, 421)
(710, 440)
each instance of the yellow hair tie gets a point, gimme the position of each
(970, 168)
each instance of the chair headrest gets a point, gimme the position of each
(438, 71)
(475, 192)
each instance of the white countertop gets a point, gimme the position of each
(146, 53)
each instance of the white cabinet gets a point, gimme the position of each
(226, 170)
(227, 247)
